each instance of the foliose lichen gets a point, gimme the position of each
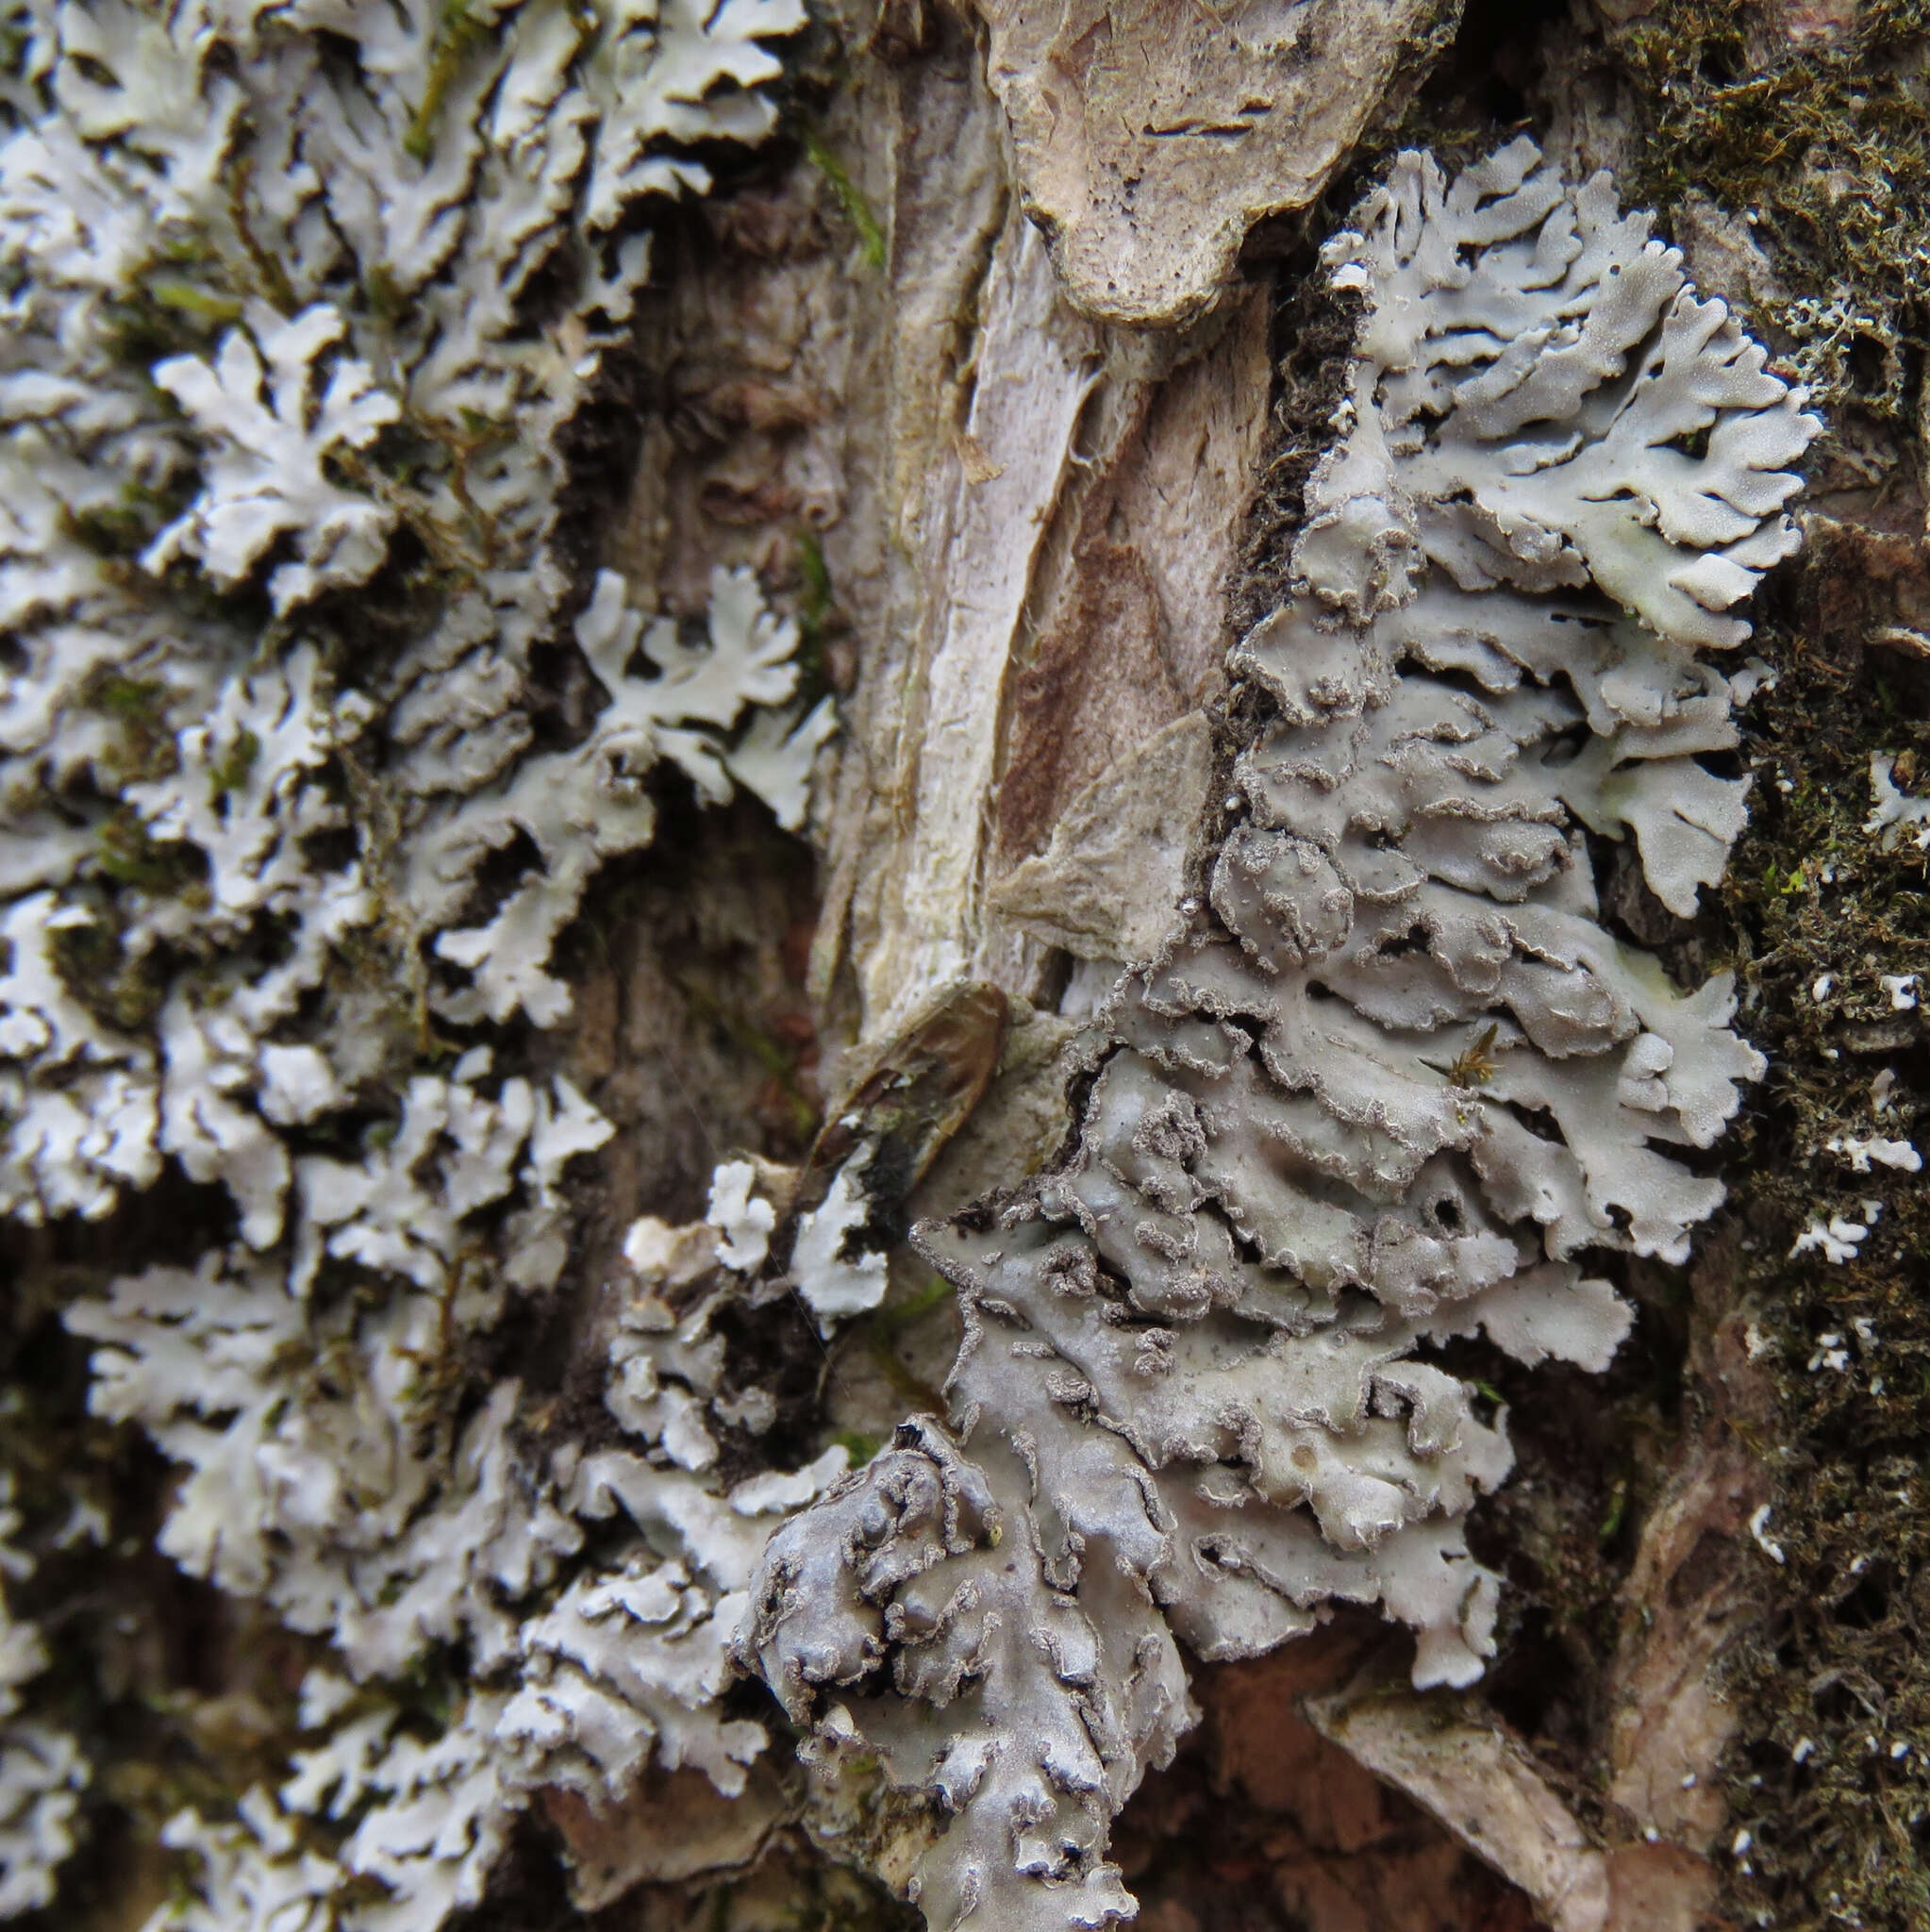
(1388, 1078)
(301, 301)
(577, 1686)
(42, 1770)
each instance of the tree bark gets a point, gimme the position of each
(1019, 535)
(1052, 527)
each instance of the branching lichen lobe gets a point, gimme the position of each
(1377, 1092)
(301, 304)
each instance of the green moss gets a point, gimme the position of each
(814, 606)
(1618, 1512)
(210, 308)
(1837, 1839)
(857, 210)
(899, 1315)
(140, 328)
(1825, 149)
(136, 699)
(230, 772)
(857, 1444)
(459, 35)
(94, 967)
(124, 853)
(119, 531)
(144, 745)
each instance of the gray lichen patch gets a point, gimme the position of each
(315, 730)
(1377, 1091)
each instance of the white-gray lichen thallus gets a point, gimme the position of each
(300, 301)
(1384, 1090)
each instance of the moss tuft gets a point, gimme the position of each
(1830, 1776)
(1825, 150)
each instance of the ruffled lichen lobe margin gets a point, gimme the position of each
(313, 735)
(1387, 1079)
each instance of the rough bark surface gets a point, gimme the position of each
(1019, 515)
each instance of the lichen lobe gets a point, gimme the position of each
(1380, 1091)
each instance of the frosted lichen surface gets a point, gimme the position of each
(42, 1770)
(301, 301)
(583, 1672)
(1382, 1090)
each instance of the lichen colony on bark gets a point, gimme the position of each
(301, 304)
(1380, 1089)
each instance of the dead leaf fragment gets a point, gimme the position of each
(1106, 885)
(674, 1825)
